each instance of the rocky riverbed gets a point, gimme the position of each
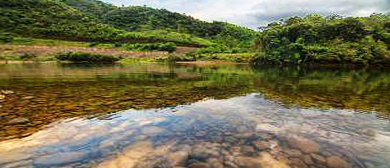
(242, 132)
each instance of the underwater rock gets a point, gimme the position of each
(262, 145)
(318, 158)
(28, 97)
(336, 162)
(307, 159)
(17, 121)
(60, 158)
(7, 92)
(152, 130)
(293, 152)
(304, 144)
(214, 163)
(177, 158)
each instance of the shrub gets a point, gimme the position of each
(93, 44)
(6, 38)
(118, 44)
(191, 55)
(86, 57)
(169, 47)
(28, 56)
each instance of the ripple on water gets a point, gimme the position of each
(245, 131)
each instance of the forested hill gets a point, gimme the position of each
(332, 39)
(94, 20)
(51, 19)
(140, 18)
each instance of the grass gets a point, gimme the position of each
(49, 42)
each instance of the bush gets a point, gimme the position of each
(28, 56)
(169, 47)
(118, 44)
(86, 57)
(191, 55)
(93, 44)
(6, 38)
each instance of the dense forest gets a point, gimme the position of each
(332, 39)
(92, 20)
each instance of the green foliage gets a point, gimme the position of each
(54, 19)
(6, 38)
(191, 56)
(28, 56)
(86, 57)
(142, 18)
(169, 47)
(314, 39)
(93, 44)
(241, 58)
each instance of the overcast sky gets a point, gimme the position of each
(253, 13)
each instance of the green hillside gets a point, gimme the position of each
(142, 18)
(95, 21)
(51, 19)
(333, 39)
(56, 20)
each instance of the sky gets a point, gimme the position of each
(255, 13)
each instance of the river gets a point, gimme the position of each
(147, 115)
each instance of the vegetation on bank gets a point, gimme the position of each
(329, 40)
(169, 47)
(87, 57)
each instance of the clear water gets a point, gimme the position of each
(183, 115)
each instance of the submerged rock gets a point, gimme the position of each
(262, 145)
(19, 120)
(292, 152)
(7, 92)
(307, 159)
(249, 162)
(199, 165)
(337, 162)
(177, 158)
(267, 128)
(304, 144)
(60, 158)
(152, 130)
(248, 149)
(318, 158)
(28, 97)
(214, 163)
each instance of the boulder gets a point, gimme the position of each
(336, 162)
(19, 120)
(318, 158)
(292, 152)
(177, 158)
(303, 144)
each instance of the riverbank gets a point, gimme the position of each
(45, 52)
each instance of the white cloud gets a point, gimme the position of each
(252, 13)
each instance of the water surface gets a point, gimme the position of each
(159, 115)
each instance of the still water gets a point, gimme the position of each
(195, 116)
